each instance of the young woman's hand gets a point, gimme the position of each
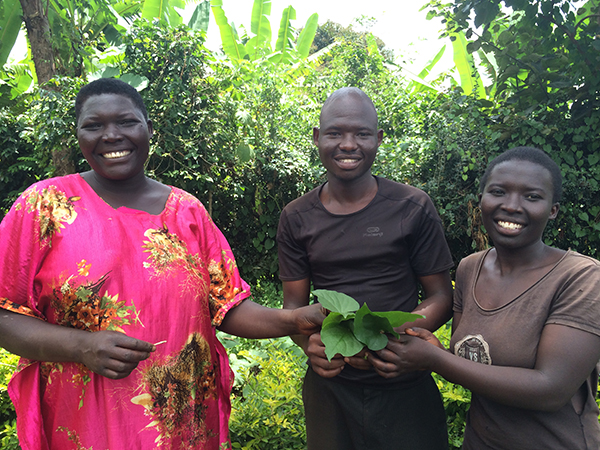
(426, 335)
(360, 360)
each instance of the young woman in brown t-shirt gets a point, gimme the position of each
(526, 326)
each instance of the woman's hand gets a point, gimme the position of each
(107, 353)
(426, 335)
(112, 354)
(402, 355)
(308, 319)
(315, 350)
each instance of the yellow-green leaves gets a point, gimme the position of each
(347, 329)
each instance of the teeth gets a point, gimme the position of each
(510, 225)
(346, 160)
(113, 155)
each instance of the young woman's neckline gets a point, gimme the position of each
(478, 271)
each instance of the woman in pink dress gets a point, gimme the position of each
(112, 286)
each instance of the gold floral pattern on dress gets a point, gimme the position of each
(73, 437)
(80, 304)
(176, 391)
(169, 255)
(54, 209)
(77, 374)
(221, 289)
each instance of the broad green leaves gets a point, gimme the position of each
(200, 17)
(337, 302)
(284, 37)
(307, 36)
(256, 45)
(10, 24)
(229, 37)
(163, 10)
(470, 81)
(338, 336)
(347, 329)
(260, 26)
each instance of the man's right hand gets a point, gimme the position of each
(315, 350)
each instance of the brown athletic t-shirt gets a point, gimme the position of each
(509, 336)
(374, 255)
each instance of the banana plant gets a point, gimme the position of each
(79, 30)
(470, 80)
(10, 24)
(256, 46)
(464, 64)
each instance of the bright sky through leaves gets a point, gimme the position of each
(399, 24)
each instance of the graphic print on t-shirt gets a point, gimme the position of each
(475, 348)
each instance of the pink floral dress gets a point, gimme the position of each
(69, 258)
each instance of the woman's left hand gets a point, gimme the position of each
(308, 319)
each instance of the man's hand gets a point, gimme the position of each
(112, 354)
(360, 360)
(315, 350)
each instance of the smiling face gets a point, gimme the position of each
(114, 136)
(348, 137)
(516, 203)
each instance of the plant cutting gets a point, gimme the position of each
(349, 327)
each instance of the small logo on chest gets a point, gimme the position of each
(373, 232)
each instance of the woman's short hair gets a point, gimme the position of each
(109, 86)
(531, 154)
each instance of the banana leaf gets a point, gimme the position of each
(10, 24)
(231, 46)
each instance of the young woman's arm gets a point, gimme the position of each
(566, 357)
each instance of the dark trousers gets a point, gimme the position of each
(353, 416)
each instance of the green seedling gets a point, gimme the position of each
(347, 329)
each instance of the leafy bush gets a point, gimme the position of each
(18, 164)
(267, 410)
(8, 431)
(456, 398)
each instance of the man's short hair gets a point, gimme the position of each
(353, 91)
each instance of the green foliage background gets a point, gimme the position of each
(237, 133)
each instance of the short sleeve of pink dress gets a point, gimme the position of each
(71, 259)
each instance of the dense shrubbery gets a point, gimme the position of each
(8, 432)
(240, 138)
(267, 409)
